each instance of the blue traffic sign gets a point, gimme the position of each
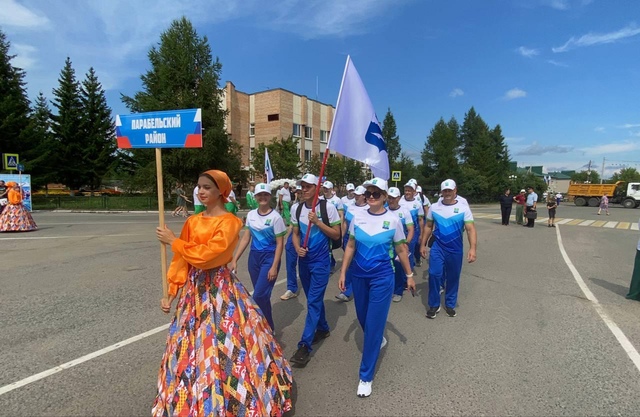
(162, 129)
(20, 168)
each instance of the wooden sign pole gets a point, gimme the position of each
(163, 247)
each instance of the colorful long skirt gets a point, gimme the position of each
(221, 357)
(16, 218)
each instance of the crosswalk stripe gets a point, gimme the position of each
(496, 217)
(599, 223)
(586, 223)
(542, 220)
(576, 221)
(623, 225)
(564, 221)
(634, 226)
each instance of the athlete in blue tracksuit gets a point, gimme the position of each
(359, 204)
(372, 235)
(265, 229)
(411, 203)
(393, 199)
(447, 220)
(313, 264)
(291, 257)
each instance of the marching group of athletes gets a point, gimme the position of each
(384, 233)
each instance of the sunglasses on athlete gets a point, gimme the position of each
(376, 194)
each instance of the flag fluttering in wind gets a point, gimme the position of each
(268, 172)
(355, 131)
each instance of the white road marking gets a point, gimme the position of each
(617, 332)
(634, 226)
(33, 378)
(563, 221)
(586, 223)
(68, 237)
(610, 225)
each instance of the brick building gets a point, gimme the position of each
(257, 118)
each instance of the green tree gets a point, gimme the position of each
(353, 172)
(14, 104)
(312, 165)
(409, 170)
(65, 126)
(440, 154)
(283, 155)
(389, 133)
(41, 157)
(97, 130)
(184, 75)
(627, 175)
(583, 176)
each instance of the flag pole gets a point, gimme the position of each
(163, 247)
(326, 152)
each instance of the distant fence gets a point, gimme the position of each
(127, 203)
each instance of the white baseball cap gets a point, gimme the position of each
(523, 191)
(350, 187)
(309, 179)
(419, 189)
(327, 184)
(360, 190)
(262, 188)
(448, 185)
(411, 184)
(298, 187)
(378, 183)
(394, 192)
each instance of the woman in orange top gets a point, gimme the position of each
(221, 356)
(15, 217)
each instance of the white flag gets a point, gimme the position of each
(268, 172)
(355, 131)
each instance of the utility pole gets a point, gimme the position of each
(589, 173)
(602, 174)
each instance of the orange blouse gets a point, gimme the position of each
(204, 243)
(14, 197)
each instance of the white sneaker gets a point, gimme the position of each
(396, 298)
(384, 342)
(288, 295)
(364, 389)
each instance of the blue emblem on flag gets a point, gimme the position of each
(374, 137)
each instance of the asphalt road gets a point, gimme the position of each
(526, 340)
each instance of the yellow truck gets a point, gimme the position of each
(591, 194)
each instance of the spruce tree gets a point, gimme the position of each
(41, 157)
(14, 103)
(97, 129)
(184, 75)
(66, 127)
(390, 135)
(441, 152)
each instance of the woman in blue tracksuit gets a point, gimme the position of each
(265, 229)
(372, 234)
(360, 204)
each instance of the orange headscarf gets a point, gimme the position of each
(11, 184)
(222, 181)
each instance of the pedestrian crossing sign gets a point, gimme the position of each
(396, 175)
(11, 161)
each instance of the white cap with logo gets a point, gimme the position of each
(308, 179)
(411, 184)
(448, 185)
(394, 192)
(350, 187)
(262, 188)
(378, 183)
(327, 184)
(360, 190)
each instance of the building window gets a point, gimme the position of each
(273, 117)
(252, 129)
(321, 156)
(251, 151)
(308, 132)
(297, 130)
(324, 136)
(307, 155)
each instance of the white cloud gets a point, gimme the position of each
(514, 93)
(528, 52)
(628, 126)
(17, 15)
(24, 56)
(513, 139)
(456, 92)
(598, 38)
(536, 149)
(599, 129)
(557, 64)
(566, 4)
(612, 148)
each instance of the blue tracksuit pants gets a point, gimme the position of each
(314, 277)
(291, 259)
(400, 278)
(347, 279)
(372, 298)
(444, 270)
(259, 265)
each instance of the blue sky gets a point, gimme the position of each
(561, 77)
